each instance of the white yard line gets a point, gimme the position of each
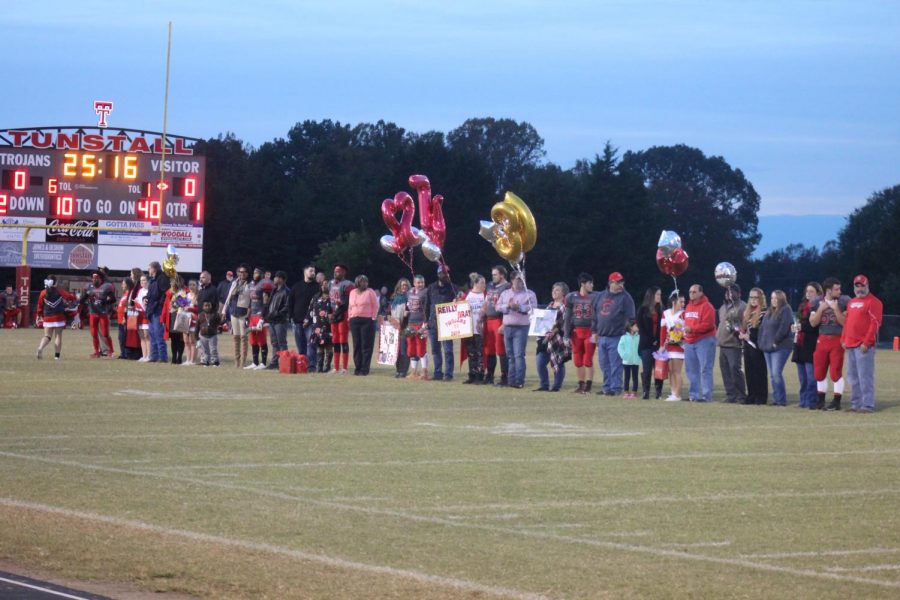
(331, 561)
(658, 499)
(537, 535)
(867, 568)
(815, 553)
(545, 459)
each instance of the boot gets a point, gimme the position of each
(820, 401)
(245, 350)
(580, 389)
(587, 386)
(504, 368)
(645, 385)
(659, 384)
(835, 403)
(237, 352)
(488, 379)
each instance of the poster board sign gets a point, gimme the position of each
(388, 344)
(454, 320)
(542, 321)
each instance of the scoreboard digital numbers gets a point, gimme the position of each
(109, 180)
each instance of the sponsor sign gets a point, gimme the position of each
(181, 236)
(542, 321)
(50, 255)
(57, 234)
(124, 238)
(14, 234)
(388, 344)
(454, 320)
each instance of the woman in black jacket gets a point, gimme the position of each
(649, 316)
(805, 338)
(754, 360)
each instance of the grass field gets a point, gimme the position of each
(232, 484)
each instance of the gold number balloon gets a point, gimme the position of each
(517, 231)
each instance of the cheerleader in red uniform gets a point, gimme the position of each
(51, 310)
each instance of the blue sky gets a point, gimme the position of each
(804, 97)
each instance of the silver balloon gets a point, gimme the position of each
(669, 241)
(389, 243)
(488, 230)
(431, 251)
(421, 236)
(726, 274)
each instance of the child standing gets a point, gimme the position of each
(319, 311)
(631, 358)
(415, 341)
(208, 327)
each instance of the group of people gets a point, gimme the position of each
(755, 338)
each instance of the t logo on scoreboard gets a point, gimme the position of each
(102, 108)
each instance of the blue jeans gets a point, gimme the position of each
(158, 351)
(861, 375)
(301, 339)
(611, 364)
(808, 393)
(699, 360)
(775, 362)
(516, 337)
(437, 363)
(542, 361)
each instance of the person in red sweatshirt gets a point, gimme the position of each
(859, 337)
(699, 344)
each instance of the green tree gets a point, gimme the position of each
(710, 204)
(510, 149)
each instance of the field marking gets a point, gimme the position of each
(659, 499)
(815, 553)
(866, 568)
(534, 430)
(487, 461)
(210, 435)
(606, 545)
(42, 589)
(331, 561)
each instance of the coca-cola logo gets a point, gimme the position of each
(56, 230)
(59, 234)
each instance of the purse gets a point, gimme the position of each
(131, 322)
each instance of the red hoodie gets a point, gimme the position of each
(862, 320)
(700, 316)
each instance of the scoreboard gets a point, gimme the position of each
(110, 181)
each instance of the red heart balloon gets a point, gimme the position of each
(402, 229)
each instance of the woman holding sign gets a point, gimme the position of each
(515, 304)
(551, 347)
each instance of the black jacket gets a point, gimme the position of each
(437, 294)
(208, 294)
(300, 298)
(277, 310)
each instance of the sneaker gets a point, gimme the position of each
(95, 355)
(187, 364)
(343, 371)
(261, 366)
(673, 398)
(250, 367)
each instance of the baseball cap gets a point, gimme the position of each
(229, 273)
(861, 279)
(616, 276)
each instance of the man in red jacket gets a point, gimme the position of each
(860, 335)
(699, 344)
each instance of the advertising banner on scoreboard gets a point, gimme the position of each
(62, 236)
(124, 238)
(182, 236)
(50, 255)
(14, 234)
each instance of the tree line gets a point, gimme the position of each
(316, 195)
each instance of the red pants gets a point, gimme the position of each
(340, 333)
(582, 347)
(493, 339)
(415, 345)
(257, 337)
(101, 322)
(829, 355)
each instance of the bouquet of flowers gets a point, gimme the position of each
(182, 301)
(675, 334)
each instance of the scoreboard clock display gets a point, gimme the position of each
(114, 186)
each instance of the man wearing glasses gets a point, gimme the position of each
(613, 308)
(699, 344)
(860, 335)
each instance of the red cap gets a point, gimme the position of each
(615, 276)
(229, 273)
(861, 279)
